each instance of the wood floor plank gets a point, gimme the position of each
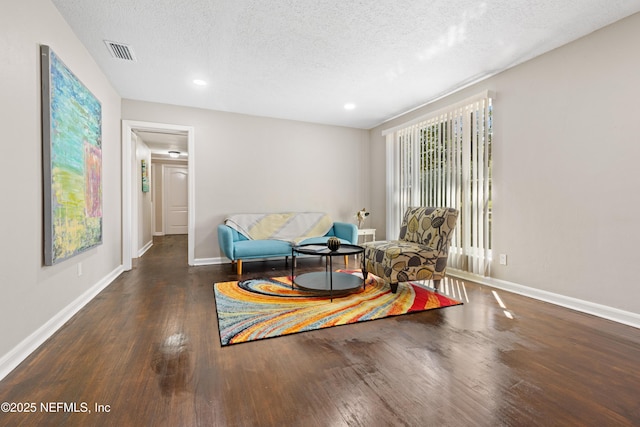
(147, 349)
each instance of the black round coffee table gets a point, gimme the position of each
(330, 281)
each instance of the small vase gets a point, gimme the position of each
(333, 243)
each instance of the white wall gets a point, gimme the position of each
(566, 200)
(32, 294)
(254, 164)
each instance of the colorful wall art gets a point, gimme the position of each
(72, 162)
(145, 177)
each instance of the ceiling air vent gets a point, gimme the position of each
(120, 51)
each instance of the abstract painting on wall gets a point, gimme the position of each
(72, 162)
(145, 177)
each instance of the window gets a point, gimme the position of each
(444, 159)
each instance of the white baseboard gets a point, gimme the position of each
(210, 261)
(599, 310)
(145, 248)
(19, 353)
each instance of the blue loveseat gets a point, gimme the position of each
(238, 247)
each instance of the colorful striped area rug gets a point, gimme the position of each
(265, 308)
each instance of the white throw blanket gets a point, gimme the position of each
(288, 226)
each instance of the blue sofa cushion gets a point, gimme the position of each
(261, 248)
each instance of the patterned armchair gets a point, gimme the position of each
(420, 253)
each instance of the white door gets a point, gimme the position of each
(175, 199)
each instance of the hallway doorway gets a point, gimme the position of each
(132, 223)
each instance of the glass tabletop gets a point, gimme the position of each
(322, 249)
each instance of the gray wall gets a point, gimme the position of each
(32, 294)
(254, 164)
(566, 201)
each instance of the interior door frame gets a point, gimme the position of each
(129, 187)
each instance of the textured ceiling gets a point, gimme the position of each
(304, 59)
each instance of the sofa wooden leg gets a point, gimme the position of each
(394, 287)
(346, 260)
(239, 267)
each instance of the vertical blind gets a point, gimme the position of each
(444, 159)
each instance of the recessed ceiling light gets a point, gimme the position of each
(199, 82)
(349, 106)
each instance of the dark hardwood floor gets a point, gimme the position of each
(147, 348)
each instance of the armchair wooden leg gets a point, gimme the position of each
(394, 287)
(346, 260)
(239, 267)
(436, 283)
